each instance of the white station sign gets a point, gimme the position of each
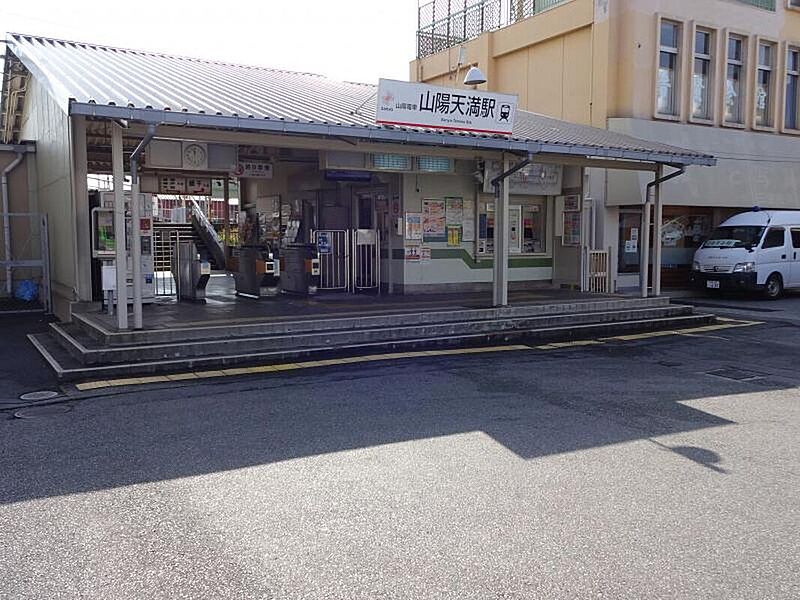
(420, 105)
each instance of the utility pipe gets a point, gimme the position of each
(645, 235)
(7, 220)
(136, 240)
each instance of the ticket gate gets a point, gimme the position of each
(191, 273)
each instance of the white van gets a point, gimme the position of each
(756, 250)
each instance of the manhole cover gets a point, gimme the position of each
(735, 374)
(36, 412)
(38, 396)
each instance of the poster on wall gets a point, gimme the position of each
(468, 225)
(414, 226)
(454, 211)
(425, 254)
(453, 235)
(572, 203)
(572, 229)
(412, 253)
(434, 221)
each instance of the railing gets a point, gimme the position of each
(442, 24)
(598, 272)
(208, 234)
(765, 4)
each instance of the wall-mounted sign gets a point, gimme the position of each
(532, 180)
(200, 186)
(429, 106)
(169, 184)
(257, 169)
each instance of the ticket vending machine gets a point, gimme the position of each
(104, 241)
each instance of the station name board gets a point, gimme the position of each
(420, 105)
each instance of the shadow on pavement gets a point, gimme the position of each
(533, 407)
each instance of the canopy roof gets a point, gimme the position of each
(102, 81)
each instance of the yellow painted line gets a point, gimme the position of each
(572, 344)
(181, 376)
(92, 385)
(727, 323)
(236, 371)
(207, 374)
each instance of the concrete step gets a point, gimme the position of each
(92, 327)
(90, 352)
(68, 368)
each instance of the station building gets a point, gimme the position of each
(390, 208)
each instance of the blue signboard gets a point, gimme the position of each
(324, 242)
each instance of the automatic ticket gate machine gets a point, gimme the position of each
(190, 271)
(104, 240)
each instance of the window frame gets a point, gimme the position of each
(766, 235)
(712, 59)
(744, 93)
(679, 51)
(774, 68)
(788, 48)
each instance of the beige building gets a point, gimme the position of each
(718, 76)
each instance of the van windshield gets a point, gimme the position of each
(735, 237)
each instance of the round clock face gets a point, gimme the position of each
(194, 155)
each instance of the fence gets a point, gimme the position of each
(442, 24)
(598, 272)
(25, 257)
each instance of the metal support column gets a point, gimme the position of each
(226, 214)
(501, 241)
(120, 258)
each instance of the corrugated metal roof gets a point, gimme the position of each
(103, 81)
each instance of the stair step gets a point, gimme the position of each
(86, 350)
(67, 368)
(340, 321)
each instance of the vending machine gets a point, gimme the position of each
(104, 240)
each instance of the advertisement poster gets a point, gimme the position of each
(453, 235)
(572, 229)
(425, 254)
(414, 226)
(412, 253)
(434, 221)
(572, 203)
(468, 225)
(454, 211)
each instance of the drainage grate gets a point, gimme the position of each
(38, 396)
(735, 374)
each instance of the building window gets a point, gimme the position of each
(734, 101)
(793, 89)
(701, 77)
(766, 58)
(667, 103)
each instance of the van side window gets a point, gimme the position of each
(796, 239)
(774, 238)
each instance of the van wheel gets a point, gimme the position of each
(773, 289)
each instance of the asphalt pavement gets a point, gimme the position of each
(659, 467)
